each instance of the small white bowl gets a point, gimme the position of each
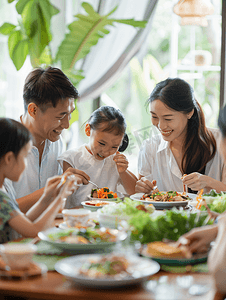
(17, 256)
(110, 221)
(74, 217)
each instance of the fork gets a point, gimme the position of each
(94, 184)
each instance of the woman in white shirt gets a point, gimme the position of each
(183, 146)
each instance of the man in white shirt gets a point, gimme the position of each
(48, 101)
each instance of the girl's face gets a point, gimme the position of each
(172, 124)
(20, 163)
(103, 144)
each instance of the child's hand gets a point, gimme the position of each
(69, 186)
(51, 190)
(121, 162)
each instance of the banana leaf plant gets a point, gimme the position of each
(32, 35)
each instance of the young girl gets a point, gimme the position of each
(15, 146)
(100, 158)
(184, 145)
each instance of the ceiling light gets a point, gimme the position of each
(193, 12)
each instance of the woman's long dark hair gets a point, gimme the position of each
(199, 145)
(13, 136)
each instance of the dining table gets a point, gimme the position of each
(161, 286)
(164, 285)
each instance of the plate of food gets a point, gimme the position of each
(107, 271)
(104, 194)
(168, 253)
(164, 200)
(94, 205)
(84, 240)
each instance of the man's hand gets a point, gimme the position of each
(82, 176)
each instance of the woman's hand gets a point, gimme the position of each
(121, 162)
(199, 239)
(144, 185)
(195, 181)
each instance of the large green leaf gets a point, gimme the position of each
(84, 33)
(20, 53)
(7, 28)
(75, 76)
(36, 15)
(13, 40)
(21, 5)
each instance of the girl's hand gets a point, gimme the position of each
(121, 162)
(55, 184)
(69, 186)
(144, 185)
(195, 181)
(51, 190)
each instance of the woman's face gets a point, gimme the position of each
(172, 124)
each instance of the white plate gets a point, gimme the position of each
(95, 208)
(78, 248)
(160, 204)
(143, 268)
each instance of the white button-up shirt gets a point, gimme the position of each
(35, 176)
(156, 161)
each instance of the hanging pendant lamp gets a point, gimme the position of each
(193, 12)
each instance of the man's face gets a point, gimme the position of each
(50, 123)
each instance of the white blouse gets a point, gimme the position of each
(156, 161)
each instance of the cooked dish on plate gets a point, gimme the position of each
(168, 253)
(170, 196)
(169, 250)
(103, 193)
(96, 203)
(111, 271)
(84, 236)
(106, 266)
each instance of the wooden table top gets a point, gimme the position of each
(53, 285)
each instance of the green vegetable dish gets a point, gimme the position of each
(171, 225)
(215, 201)
(84, 236)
